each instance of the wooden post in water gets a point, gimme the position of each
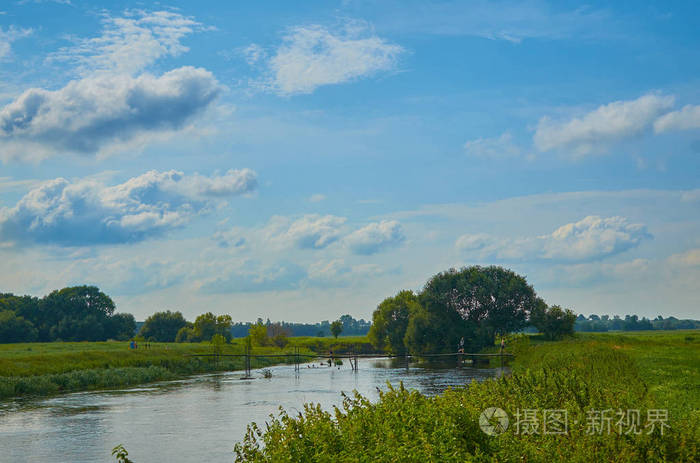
(297, 366)
(247, 359)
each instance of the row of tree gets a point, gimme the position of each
(350, 327)
(475, 304)
(77, 313)
(632, 323)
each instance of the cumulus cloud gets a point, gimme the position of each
(88, 115)
(312, 231)
(130, 43)
(597, 130)
(253, 278)
(338, 273)
(87, 212)
(375, 237)
(113, 104)
(687, 118)
(591, 238)
(313, 56)
(690, 258)
(9, 35)
(495, 147)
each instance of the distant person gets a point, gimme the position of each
(132, 344)
(503, 344)
(460, 348)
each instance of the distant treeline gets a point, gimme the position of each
(351, 327)
(632, 323)
(78, 313)
(84, 313)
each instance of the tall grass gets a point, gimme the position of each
(50, 368)
(580, 376)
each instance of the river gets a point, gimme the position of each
(198, 418)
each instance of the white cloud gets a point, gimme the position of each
(495, 147)
(512, 21)
(597, 130)
(691, 195)
(337, 272)
(130, 43)
(317, 198)
(375, 237)
(312, 231)
(690, 258)
(591, 238)
(90, 115)
(313, 56)
(87, 212)
(687, 118)
(8, 36)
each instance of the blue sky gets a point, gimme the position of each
(302, 161)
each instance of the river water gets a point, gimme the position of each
(195, 419)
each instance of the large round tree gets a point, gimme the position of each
(477, 303)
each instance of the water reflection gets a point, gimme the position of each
(200, 418)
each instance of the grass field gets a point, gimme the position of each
(49, 368)
(590, 377)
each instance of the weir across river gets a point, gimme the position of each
(353, 357)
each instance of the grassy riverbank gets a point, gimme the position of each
(50, 368)
(592, 377)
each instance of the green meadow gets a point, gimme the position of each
(51, 368)
(627, 397)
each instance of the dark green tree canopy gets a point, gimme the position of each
(77, 313)
(390, 321)
(163, 326)
(495, 299)
(553, 322)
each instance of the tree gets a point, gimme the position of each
(336, 328)
(185, 334)
(477, 303)
(204, 327)
(218, 342)
(16, 329)
(553, 322)
(121, 326)
(278, 334)
(390, 321)
(163, 326)
(77, 313)
(258, 333)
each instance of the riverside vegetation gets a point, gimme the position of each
(50, 368)
(582, 375)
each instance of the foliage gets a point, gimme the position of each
(163, 326)
(258, 334)
(632, 323)
(351, 327)
(492, 299)
(278, 334)
(336, 328)
(579, 376)
(16, 329)
(553, 322)
(50, 368)
(390, 321)
(120, 453)
(218, 342)
(77, 313)
(122, 326)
